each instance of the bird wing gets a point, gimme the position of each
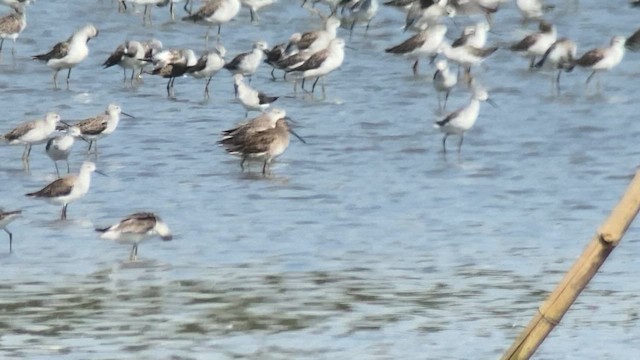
(60, 187)
(20, 131)
(233, 64)
(115, 57)
(138, 223)
(6, 214)
(307, 39)
(200, 65)
(483, 52)
(59, 51)
(10, 24)
(265, 99)
(408, 45)
(526, 43)
(591, 57)
(633, 42)
(93, 126)
(257, 143)
(448, 118)
(314, 61)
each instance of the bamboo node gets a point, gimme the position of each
(608, 238)
(551, 321)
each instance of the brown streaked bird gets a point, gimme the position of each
(136, 228)
(260, 143)
(603, 59)
(11, 26)
(633, 41)
(536, 44)
(67, 54)
(99, 126)
(423, 44)
(171, 64)
(67, 189)
(262, 122)
(5, 218)
(33, 132)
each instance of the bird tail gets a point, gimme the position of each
(193, 17)
(102, 230)
(41, 57)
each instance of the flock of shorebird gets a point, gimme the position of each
(309, 55)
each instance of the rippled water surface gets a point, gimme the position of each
(365, 243)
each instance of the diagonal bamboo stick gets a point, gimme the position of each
(550, 313)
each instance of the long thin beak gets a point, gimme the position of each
(298, 136)
(492, 103)
(125, 114)
(101, 173)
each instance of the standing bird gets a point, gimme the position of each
(264, 143)
(633, 41)
(67, 189)
(59, 147)
(427, 12)
(474, 35)
(99, 126)
(207, 66)
(314, 41)
(171, 64)
(536, 44)
(362, 11)
(146, 16)
(67, 54)
(466, 55)
(423, 44)
(603, 59)
(130, 55)
(136, 228)
(560, 56)
(247, 63)
(251, 99)
(463, 119)
(254, 6)
(278, 53)
(33, 132)
(5, 218)
(444, 81)
(11, 26)
(322, 62)
(532, 9)
(215, 12)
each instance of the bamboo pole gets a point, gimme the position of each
(550, 313)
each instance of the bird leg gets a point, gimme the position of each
(314, 84)
(589, 78)
(244, 158)
(444, 143)
(56, 165)
(27, 151)
(206, 87)
(168, 86)
(10, 240)
(273, 76)
(55, 77)
(446, 97)
(351, 29)
(265, 166)
(415, 68)
(460, 143)
(1, 43)
(133, 256)
(173, 15)
(532, 63)
(68, 76)
(63, 215)
(68, 168)
(253, 15)
(90, 145)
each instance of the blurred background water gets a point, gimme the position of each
(366, 243)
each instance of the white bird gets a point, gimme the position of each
(536, 44)
(33, 132)
(67, 189)
(532, 9)
(362, 11)
(444, 81)
(174, 63)
(67, 54)
(427, 12)
(254, 6)
(314, 41)
(466, 55)
(473, 35)
(463, 119)
(322, 62)
(207, 66)
(5, 218)
(130, 55)
(215, 13)
(423, 44)
(603, 59)
(12, 25)
(249, 98)
(59, 147)
(99, 126)
(247, 63)
(560, 56)
(136, 228)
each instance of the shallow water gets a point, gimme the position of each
(366, 243)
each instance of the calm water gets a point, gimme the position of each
(366, 243)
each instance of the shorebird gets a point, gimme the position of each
(215, 12)
(136, 228)
(427, 12)
(99, 126)
(473, 35)
(536, 44)
(130, 55)
(317, 40)
(423, 44)
(254, 6)
(278, 53)
(532, 9)
(633, 41)
(5, 218)
(322, 62)
(293, 61)
(67, 54)
(443, 81)
(560, 56)
(466, 55)
(247, 63)
(59, 147)
(11, 26)
(249, 98)
(207, 66)
(362, 11)
(33, 132)
(259, 144)
(147, 8)
(603, 59)
(67, 189)
(171, 7)
(463, 119)
(171, 64)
